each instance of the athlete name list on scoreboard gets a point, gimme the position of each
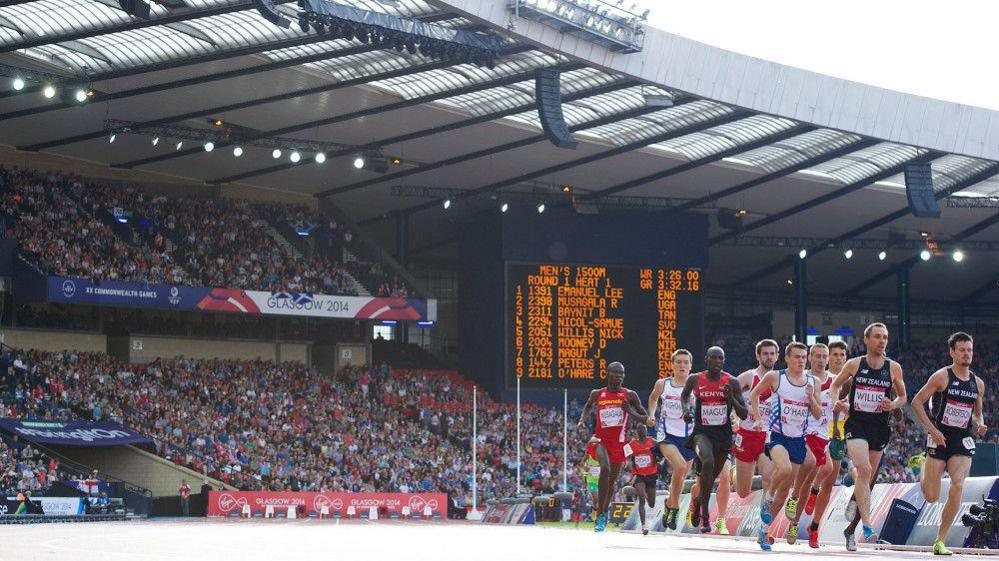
(567, 317)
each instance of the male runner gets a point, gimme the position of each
(818, 499)
(750, 443)
(645, 470)
(957, 395)
(816, 438)
(614, 405)
(673, 430)
(591, 472)
(795, 395)
(868, 431)
(716, 394)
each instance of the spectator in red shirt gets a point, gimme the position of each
(185, 498)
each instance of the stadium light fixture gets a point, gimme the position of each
(925, 255)
(156, 140)
(803, 254)
(49, 92)
(112, 138)
(447, 204)
(295, 157)
(276, 153)
(958, 255)
(848, 254)
(504, 207)
(359, 162)
(320, 158)
(541, 208)
(180, 144)
(80, 96)
(209, 146)
(237, 151)
(18, 84)
(882, 256)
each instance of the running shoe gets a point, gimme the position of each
(722, 526)
(940, 549)
(601, 524)
(763, 539)
(645, 529)
(851, 509)
(765, 512)
(706, 528)
(810, 504)
(870, 536)
(851, 540)
(813, 538)
(791, 510)
(792, 533)
(694, 518)
(671, 514)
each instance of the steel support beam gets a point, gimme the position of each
(423, 133)
(689, 129)
(875, 279)
(801, 300)
(819, 201)
(903, 304)
(872, 225)
(481, 153)
(685, 167)
(980, 292)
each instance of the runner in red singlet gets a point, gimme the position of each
(645, 470)
(614, 405)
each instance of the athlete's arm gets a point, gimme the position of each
(688, 389)
(768, 382)
(844, 377)
(657, 390)
(586, 409)
(635, 404)
(735, 398)
(979, 417)
(936, 383)
(813, 399)
(898, 383)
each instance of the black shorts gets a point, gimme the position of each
(720, 440)
(957, 445)
(876, 433)
(648, 480)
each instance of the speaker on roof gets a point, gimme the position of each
(548, 94)
(919, 189)
(269, 11)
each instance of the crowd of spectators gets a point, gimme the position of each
(68, 226)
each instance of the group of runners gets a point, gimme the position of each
(793, 426)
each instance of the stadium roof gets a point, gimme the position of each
(804, 155)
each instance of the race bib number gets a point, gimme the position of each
(969, 443)
(929, 442)
(714, 415)
(957, 415)
(793, 415)
(672, 408)
(611, 417)
(867, 399)
(643, 460)
(738, 440)
(595, 471)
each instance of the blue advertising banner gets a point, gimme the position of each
(233, 300)
(73, 433)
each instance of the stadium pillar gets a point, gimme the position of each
(402, 239)
(800, 300)
(902, 297)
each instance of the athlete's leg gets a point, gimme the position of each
(608, 475)
(744, 472)
(958, 468)
(827, 480)
(724, 488)
(640, 491)
(803, 482)
(865, 461)
(615, 469)
(784, 472)
(678, 466)
(929, 480)
(706, 458)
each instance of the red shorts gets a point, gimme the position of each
(615, 450)
(749, 444)
(817, 445)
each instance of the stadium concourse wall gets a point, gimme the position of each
(147, 348)
(54, 340)
(743, 515)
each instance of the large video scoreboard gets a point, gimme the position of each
(565, 323)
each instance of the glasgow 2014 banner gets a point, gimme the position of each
(226, 503)
(257, 302)
(73, 433)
